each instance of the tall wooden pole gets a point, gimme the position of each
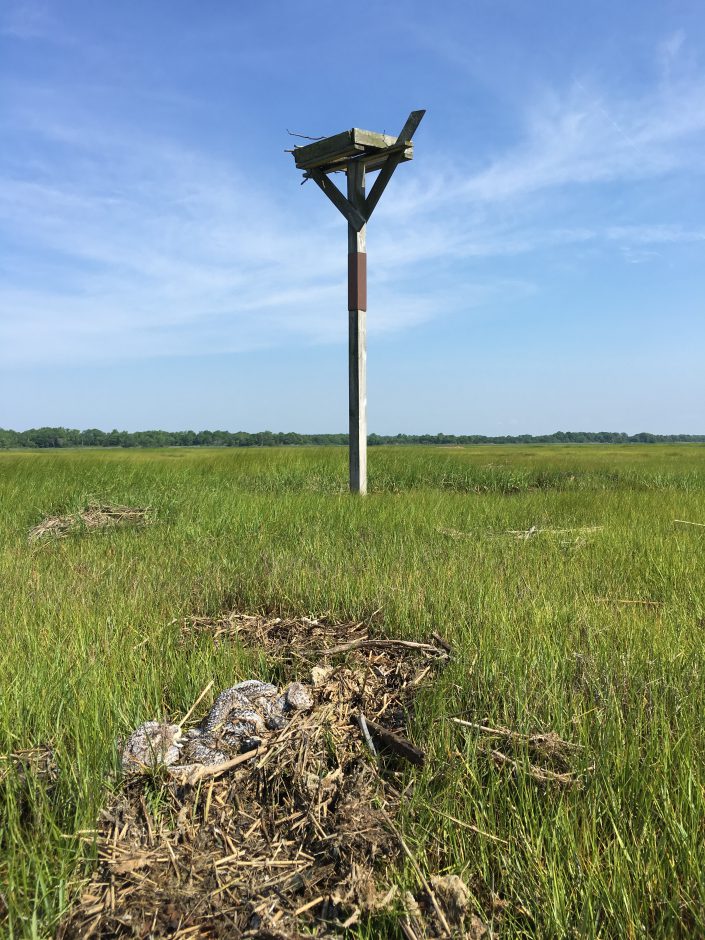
(357, 334)
(354, 151)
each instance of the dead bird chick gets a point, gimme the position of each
(153, 744)
(239, 718)
(265, 700)
(241, 715)
(297, 697)
(246, 711)
(199, 747)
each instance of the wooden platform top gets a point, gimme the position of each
(368, 147)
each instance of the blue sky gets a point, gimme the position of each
(540, 265)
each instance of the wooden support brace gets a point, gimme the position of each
(380, 184)
(357, 335)
(392, 162)
(409, 129)
(351, 213)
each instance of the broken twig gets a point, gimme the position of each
(195, 772)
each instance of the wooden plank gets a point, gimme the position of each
(409, 129)
(342, 146)
(357, 343)
(353, 215)
(372, 139)
(330, 160)
(397, 743)
(374, 161)
(323, 147)
(321, 152)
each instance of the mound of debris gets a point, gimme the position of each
(94, 516)
(307, 640)
(290, 830)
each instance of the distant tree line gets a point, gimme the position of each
(92, 437)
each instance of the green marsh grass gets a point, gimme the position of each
(90, 649)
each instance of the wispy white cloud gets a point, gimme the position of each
(669, 50)
(145, 248)
(125, 244)
(577, 138)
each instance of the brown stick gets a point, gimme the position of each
(467, 825)
(443, 643)
(193, 707)
(307, 907)
(536, 773)
(395, 742)
(515, 735)
(408, 930)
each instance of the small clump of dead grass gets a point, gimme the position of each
(551, 756)
(37, 762)
(94, 516)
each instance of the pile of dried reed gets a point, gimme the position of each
(94, 516)
(299, 835)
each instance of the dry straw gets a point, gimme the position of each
(94, 516)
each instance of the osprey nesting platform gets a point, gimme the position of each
(356, 153)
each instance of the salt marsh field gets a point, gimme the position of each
(569, 582)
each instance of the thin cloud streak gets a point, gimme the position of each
(127, 245)
(579, 139)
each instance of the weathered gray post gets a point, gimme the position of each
(357, 152)
(357, 335)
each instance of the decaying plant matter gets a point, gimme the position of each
(94, 516)
(297, 835)
(550, 752)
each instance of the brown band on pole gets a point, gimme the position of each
(357, 281)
